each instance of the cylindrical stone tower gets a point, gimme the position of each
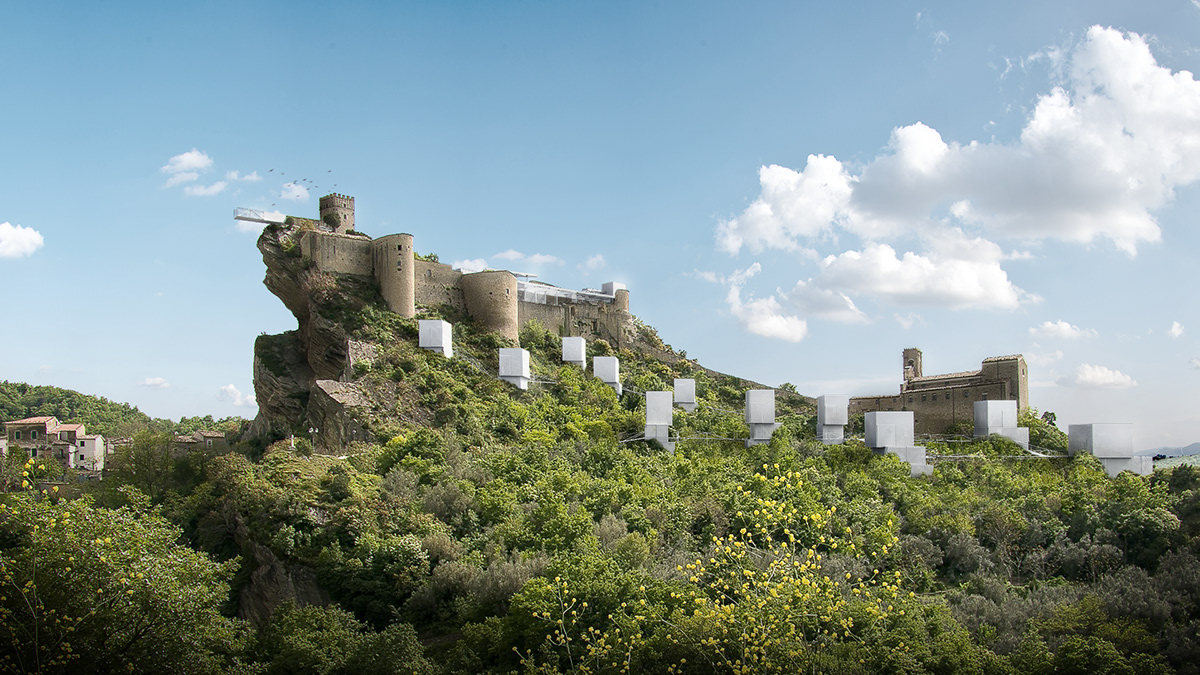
(396, 273)
(621, 300)
(491, 299)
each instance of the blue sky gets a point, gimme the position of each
(792, 191)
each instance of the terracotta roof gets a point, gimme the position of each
(70, 427)
(208, 433)
(90, 437)
(34, 420)
(1010, 357)
(185, 439)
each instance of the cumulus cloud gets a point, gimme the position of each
(930, 280)
(1061, 329)
(190, 161)
(251, 177)
(811, 300)
(470, 266)
(17, 241)
(180, 178)
(1095, 158)
(205, 190)
(1176, 329)
(594, 263)
(294, 192)
(906, 321)
(1100, 377)
(155, 383)
(1195, 363)
(762, 316)
(230, 394)
(1044, 359)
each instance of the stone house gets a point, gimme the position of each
(69, 444)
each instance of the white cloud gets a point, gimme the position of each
(230, 394)
(1061, 329)
(541, 259)
(940, 38)
(155, 383)
(205, 191)
(1044, 359)
(594, 263)
(1099, 377)
(190, 161)
(536, 259)
(1176, 329)
(17, 241)
(185, 177)
(810, 300)
(710, 277)
(294, 192)
(763, 316)
(470, 266)
(929, 280)
(251, 177)
(906, 321)
(1095, 158)
(1195, 363)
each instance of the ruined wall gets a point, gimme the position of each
(590, 320)
(491, 299)
(396, 273)
(338, 253)
(437, 284)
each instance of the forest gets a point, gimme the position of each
(500, 531)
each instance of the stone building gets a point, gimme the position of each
(498, 299)
(940, 401)
(70, 445)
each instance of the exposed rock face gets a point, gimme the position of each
(334, 410)
(274, 582)
(288, 366)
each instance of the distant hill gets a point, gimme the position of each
(1185, 451)
(102, 416)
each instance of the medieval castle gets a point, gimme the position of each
(498, 299)
(939, 401)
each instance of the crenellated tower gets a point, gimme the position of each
(337, 211)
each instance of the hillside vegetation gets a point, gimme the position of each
(101, 416)
(469, 527)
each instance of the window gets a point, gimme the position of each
(966, 394)
(922, 397)
(910, 399)
(935, 397)
(33, 435)
(81, 444)
(81, 456)
(16, 435)
(210, 442)
(983, 397)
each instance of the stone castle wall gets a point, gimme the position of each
(339, 253)
(395, 272)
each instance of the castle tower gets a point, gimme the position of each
(337, 211)
(395, 271)
(912, 363)
(491, 299)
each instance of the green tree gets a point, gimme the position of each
(92, 590)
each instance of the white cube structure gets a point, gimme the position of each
(760, 415)
(659, 415)
(685, 394)
(611, 287)
(1112, 444)
(608, 370)
(659, 407)
(437, 336)
(999, 418)
(1113, 440)
(833, 414)
(514, 366)
(1142, 465)
(887, 429)
(574, 351)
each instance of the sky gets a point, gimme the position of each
(793, 192)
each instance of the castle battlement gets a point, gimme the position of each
(495, 298)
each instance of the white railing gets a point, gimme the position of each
(543, 293)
